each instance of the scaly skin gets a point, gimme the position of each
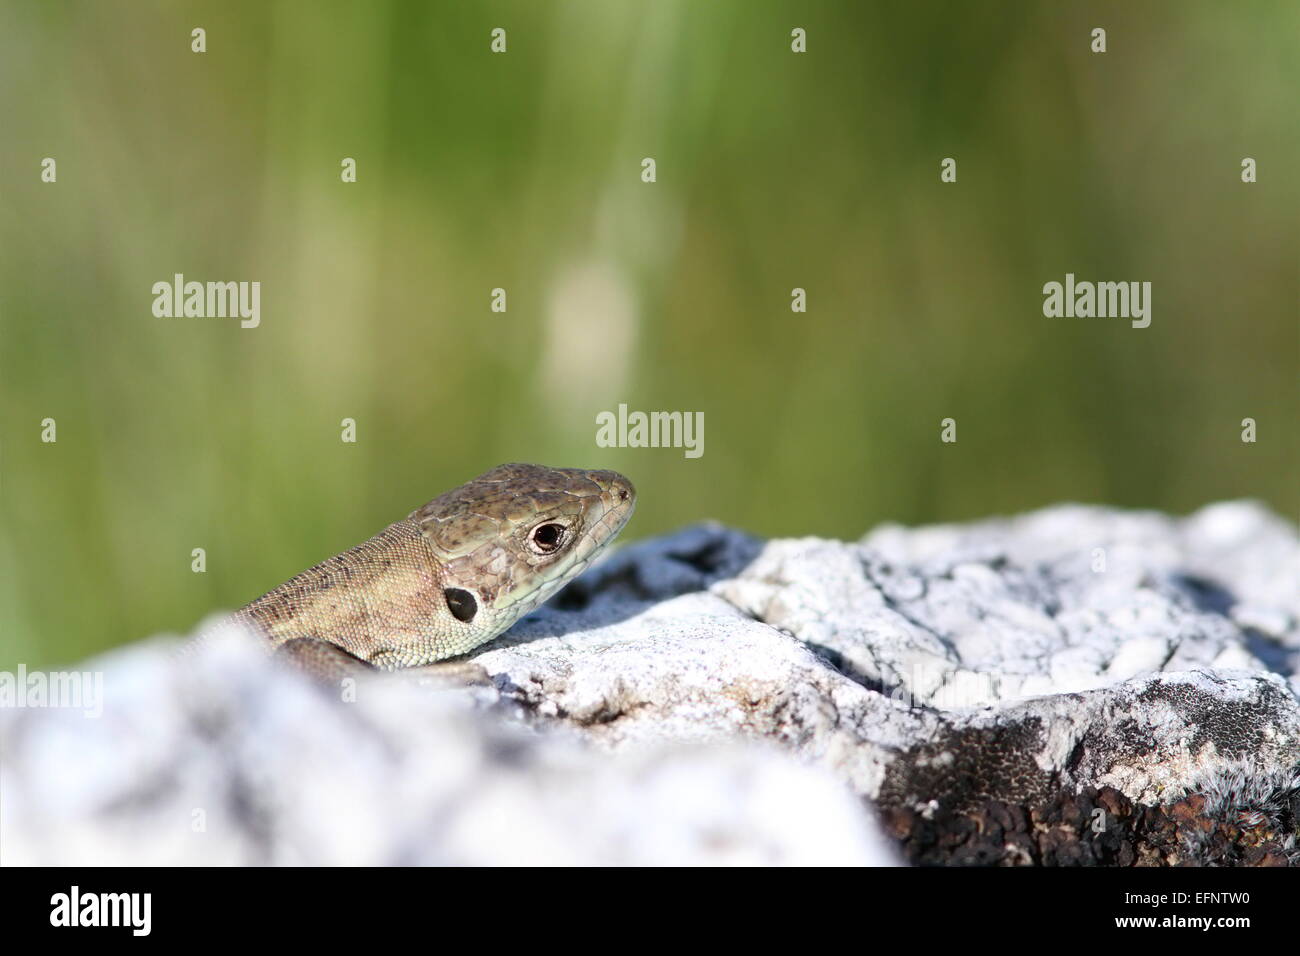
(450, 576)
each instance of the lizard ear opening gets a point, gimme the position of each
(461, 603)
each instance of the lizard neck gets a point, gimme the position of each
(383, 586)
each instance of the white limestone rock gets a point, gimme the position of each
(1070, 646)
(705, 697)
(224, 756)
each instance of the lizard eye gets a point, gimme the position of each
(547, 537)
(461, 603)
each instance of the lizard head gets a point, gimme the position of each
(512, 537)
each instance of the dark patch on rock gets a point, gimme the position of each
(1104, 745)
(1236, 729)
(578, 594)
(833, 658)
(688, 561)
(1208, 596)
(968, 766)
(1276, 656)
(1095, 828)
(1232, 724)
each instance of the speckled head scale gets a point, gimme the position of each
(516, 534)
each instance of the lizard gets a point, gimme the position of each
(450, 576)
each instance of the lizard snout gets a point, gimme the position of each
(617, 493)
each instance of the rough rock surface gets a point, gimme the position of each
(1091, 827)
(708, 697)
(944, 665)
(223, 756)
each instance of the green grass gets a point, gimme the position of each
(522, 171)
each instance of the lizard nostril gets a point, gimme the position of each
(620, 489)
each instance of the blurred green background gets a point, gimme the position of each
(522, 171)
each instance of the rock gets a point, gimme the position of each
(223, 756)
(989, 689)
(1003, 659)
(1091, 827)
